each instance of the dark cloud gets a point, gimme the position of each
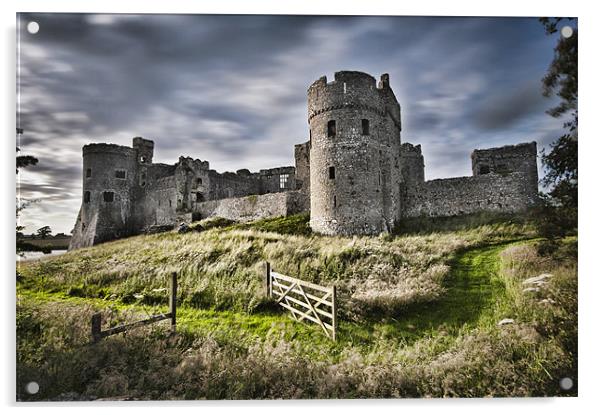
(507, 108)
(232, 89)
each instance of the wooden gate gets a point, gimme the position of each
(305, 300)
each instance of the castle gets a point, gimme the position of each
(353, 175)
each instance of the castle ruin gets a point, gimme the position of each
(353, 175)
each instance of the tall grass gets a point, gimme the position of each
(223, 268)
(420, 317)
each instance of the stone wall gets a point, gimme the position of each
(302, 172)
(255, 207)
(279, 179)
(227, 185)
(506, 159)
(508, 193)
(412, 164)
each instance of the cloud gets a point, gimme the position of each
(504, 110)
(232, 89)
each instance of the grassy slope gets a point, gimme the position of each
(405, 348)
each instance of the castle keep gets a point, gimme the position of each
(354, 176)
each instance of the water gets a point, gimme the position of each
(30, 256)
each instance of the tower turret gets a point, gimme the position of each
(354, 154)
(109, 175)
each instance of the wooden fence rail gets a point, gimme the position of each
(305, 300)
(98, 334)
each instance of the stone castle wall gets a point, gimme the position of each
(255, 207)
(302, 171)
(125, 193)
(507, 184)
(502, 160)
(508, 193)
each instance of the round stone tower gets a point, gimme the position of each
(109, 175)
(354, 155)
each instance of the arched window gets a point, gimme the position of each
(332, 128)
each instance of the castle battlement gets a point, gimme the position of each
(411, 148)
(107, 148)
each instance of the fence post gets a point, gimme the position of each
(96, 322)
(334, 313)
(173, 300)
(268, 280)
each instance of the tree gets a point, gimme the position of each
(560, 162)
(44, 231)
(24, 161)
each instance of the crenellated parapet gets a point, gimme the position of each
(353, 90)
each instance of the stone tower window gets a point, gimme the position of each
(334, 201)
(120, 174)
(283, 180)
(143, 179)
(365, 127)
(108, 196)
(199, 197)
(331, 172)
(86, 197)
(484, 170)
(332, 128)
(88, 172)
(199, 182)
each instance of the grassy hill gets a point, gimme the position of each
(419, 315)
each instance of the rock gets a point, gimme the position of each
(531, 289)
(183, 228)
(539, 280)
(505, 321)
(547, 301)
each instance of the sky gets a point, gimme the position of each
(233, 89)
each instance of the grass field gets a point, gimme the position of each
(419, 316)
